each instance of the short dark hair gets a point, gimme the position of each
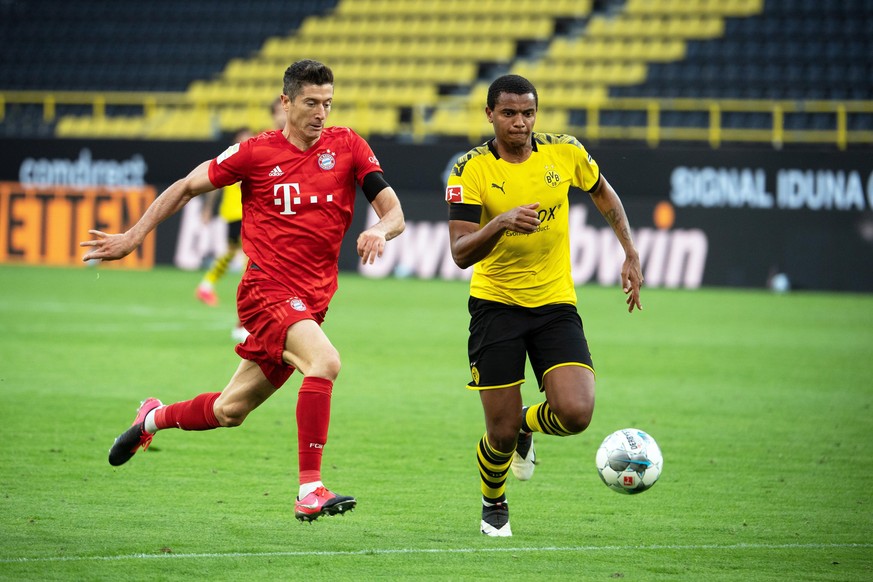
(515, 84)
(305, 72)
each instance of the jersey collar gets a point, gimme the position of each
(493, 148)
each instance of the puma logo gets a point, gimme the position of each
(500, 187)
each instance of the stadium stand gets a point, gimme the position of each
(792, 50)
(705, 70)
(155, 45)
(99, 69)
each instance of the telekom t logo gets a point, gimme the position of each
(288, 195)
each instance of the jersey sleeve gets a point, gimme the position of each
(463, 192)
(365, 160)
(463, 185)
(587, 175)
(230, 166)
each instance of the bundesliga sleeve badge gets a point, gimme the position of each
(227, 153)
(455, 193)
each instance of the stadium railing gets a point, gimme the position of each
(642, 119)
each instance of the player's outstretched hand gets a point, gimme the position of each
(631, 281)
(107, 247)
(371, 244)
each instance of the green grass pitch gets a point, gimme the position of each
(761, 404)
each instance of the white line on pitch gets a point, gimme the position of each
(388, 552)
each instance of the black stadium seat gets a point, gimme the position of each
(92, 44)
(794, 49)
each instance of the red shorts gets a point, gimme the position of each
(267, 309)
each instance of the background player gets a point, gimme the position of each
(508, 216)
(230, 210)
(298, 193)
(277, 112)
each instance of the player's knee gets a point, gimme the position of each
(578, 424)
(575, 418)
(503, 439)
(326, 366)
(503, 443)
(230, 415)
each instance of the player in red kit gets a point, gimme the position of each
(298, 194)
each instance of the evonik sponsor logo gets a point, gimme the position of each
(544, 215)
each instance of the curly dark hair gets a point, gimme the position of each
(305, 72)
(515, 84)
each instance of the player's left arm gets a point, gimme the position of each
(609, 204)
(383, 199)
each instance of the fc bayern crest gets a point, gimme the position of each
(327, 160)
(297, 304)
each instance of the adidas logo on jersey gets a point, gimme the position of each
(277, 171)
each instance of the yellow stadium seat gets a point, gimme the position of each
(552, 120)
(460, 120)
(257, 119)
(421, 8)
(182, 124)
(712, 7)
(74, 126)
(366, 120)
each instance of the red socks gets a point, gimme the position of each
(196, 414)
(313, 418)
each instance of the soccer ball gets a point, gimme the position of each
(629, 461)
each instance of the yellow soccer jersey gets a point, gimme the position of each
(524, 269)
(231, 203)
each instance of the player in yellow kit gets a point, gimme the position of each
(508, 217)
(230, 210)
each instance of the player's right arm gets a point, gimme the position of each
(470, 244)
(111, 247)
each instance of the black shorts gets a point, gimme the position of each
(501, 335)
(234, 231)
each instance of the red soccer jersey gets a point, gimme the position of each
(297, 205)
